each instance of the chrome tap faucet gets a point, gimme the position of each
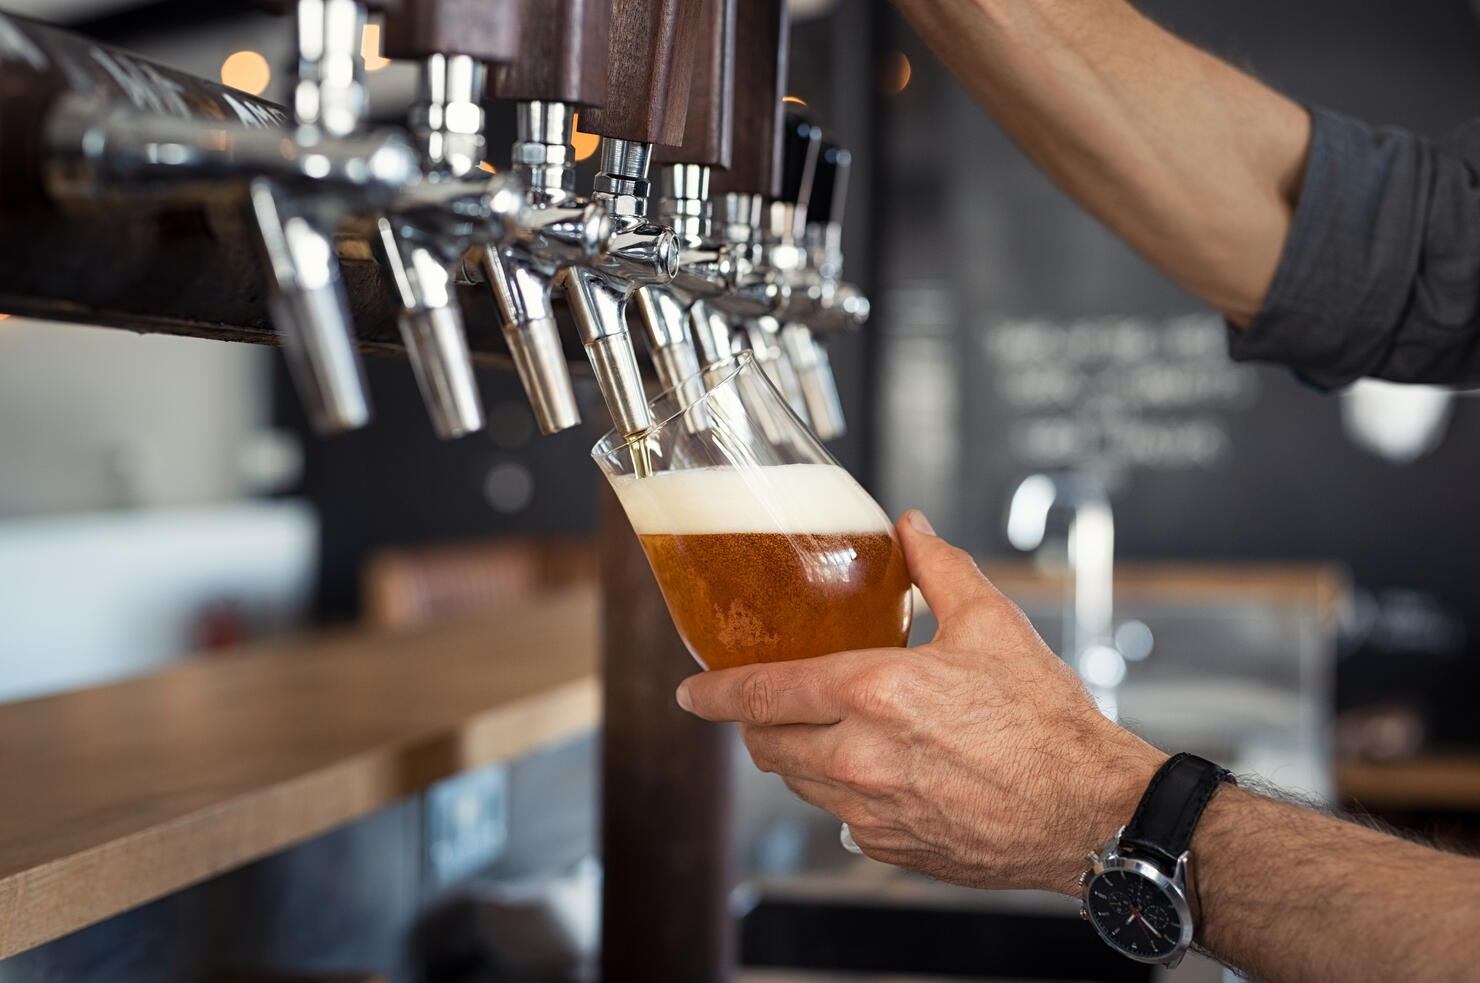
(559, 230)
(1090, 540)
(306, 292)
(639, 254)
(329, 93)
(419, 250)
(307, 176)
(755, 290)
(302, 176)
(422, 241)
(820, 301)
(779, 252)
(705, 269)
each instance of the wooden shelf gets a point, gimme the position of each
(114, 796)
(1429, 783)
(1322, 588)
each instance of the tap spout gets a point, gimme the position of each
(1091, 543)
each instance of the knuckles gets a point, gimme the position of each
(859, 767)
(885, 689)
(758, 697)
(761, 748)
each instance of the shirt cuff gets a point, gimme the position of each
(1348, 264)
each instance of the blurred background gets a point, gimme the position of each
(161, 496)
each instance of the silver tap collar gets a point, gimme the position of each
(622, 182)
(683, 201)
(330, 93)
(448, 114)
(543, 155)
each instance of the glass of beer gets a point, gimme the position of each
(765, 548)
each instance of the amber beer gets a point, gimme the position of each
(764, 564)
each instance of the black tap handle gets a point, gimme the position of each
(800, 142)
(829, 185)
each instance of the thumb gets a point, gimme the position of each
(945, 574)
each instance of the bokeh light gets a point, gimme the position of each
(585, 143)
(370, 49)
(247, 71)
(893, 73)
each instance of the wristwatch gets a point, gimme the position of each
(1136, 889)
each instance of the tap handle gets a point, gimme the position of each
(761, 39)
(650, 64)
(708, 134)
(562, 53)
(801, 140)
(829, 185)
(487, 30)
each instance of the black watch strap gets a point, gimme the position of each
(1174, 802)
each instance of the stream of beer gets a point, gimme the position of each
(642, 461)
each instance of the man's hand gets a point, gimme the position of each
(978, 758)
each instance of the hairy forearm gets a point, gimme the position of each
(1290, 894)
(1192, 162)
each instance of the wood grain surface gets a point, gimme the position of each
(484, 29)
(649, 66)
(117, 795)
(563, 53)
(761, 40)
(666, 791)
(1433, 782)
(1322, 588)
(708, 133)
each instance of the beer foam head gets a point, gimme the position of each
(786, 498)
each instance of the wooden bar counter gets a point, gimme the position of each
(117, 795)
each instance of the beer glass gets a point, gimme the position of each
(765, 548)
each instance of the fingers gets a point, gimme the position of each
(947, 576)
(806, 691)
(791, 750)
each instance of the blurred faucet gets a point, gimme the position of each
(303, 182)
(821, 302)
(738, 193)
(640, 254)
(561, 229)
(705, 269)
(422, 242)
(306, 293)
(781, 254)
(1080, 502)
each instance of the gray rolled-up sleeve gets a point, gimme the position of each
(1380, 275)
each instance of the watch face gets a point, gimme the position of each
(1134, 914)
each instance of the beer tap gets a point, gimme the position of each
(781, 252)
(649, 69)
(839, 305)
(561, 64)
(705, 267)
(295, 230)
(422, 241)
(301, 175)
(821, 302)
(740, 195)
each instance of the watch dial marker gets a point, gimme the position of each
(1134, 914)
